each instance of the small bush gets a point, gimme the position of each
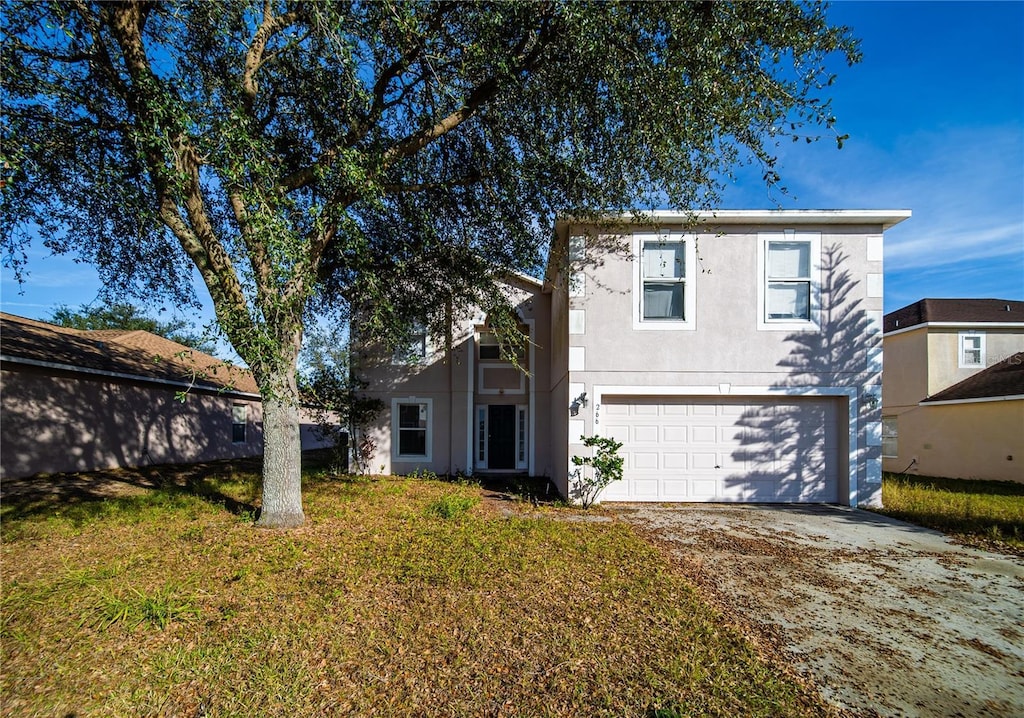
(450, 506)
(133, 608)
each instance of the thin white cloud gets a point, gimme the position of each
(951, 244)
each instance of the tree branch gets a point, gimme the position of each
(270, 26)
(197, 237)
(483, 93)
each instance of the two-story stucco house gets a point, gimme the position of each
(953, 403)
(736, 355)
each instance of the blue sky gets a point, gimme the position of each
(935, 114)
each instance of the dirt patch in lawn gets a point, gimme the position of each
(888, 619)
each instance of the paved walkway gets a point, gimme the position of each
(888, 618)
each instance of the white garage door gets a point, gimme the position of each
(710, 449)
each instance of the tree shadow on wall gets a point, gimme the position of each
(66, 428)
(792, 449)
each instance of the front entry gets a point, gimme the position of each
(501, 436)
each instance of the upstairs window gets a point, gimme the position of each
(414, 349)
(789, 280)
(664, 268)
(491, 350)
(663, 287)
(972, 350)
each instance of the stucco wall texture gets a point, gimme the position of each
(57, 421)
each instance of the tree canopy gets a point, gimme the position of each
(303, 156)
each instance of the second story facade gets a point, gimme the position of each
(738, 352)
(736, 355)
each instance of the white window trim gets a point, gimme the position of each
(960, 349)
(789, 235)
(418, 458)
(689, 242)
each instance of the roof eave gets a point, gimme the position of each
(887, 218)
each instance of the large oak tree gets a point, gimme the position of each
(305, 155)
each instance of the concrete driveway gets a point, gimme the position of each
(887, 618)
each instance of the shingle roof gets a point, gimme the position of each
(1003, 379)
(955, 310)
(132, 353)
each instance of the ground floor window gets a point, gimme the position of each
(411, 428)
(239, 418)
(890, 447)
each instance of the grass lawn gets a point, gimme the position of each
(399, 597)
(988, 514)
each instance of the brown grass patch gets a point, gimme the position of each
(167, 603)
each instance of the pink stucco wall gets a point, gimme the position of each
(52, 421)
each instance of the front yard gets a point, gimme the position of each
(399, 597)
(986, 514)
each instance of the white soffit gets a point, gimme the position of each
(886, 217)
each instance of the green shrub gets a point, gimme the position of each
(450, 506)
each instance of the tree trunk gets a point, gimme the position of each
(282, 455)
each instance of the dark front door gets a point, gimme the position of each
(501, 437)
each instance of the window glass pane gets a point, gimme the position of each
(238, 433)
(789, 259)
(789, 300)
(664, 260)
(239, 413)
(889, 436)
(412, 416)
(522, 435)
(412, 442)
(490, 351)
(972, 350)
(481, 434)
(663, 300)
(577, 247)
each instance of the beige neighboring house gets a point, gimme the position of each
(953, 398)
(736, 359)
(74, 400)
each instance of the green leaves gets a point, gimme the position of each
(391, 156)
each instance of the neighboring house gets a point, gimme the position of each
(73, 400)
(953, 398)
(737, 359)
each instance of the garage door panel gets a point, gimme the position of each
(704, 435)
(675, 461)
(732, 409)
(714, 449)
(645, 460)
(646, 434)
(703, 461)
(642, 489)
(674, 434)
(675, 490)
(618, 432)
(703, 489)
